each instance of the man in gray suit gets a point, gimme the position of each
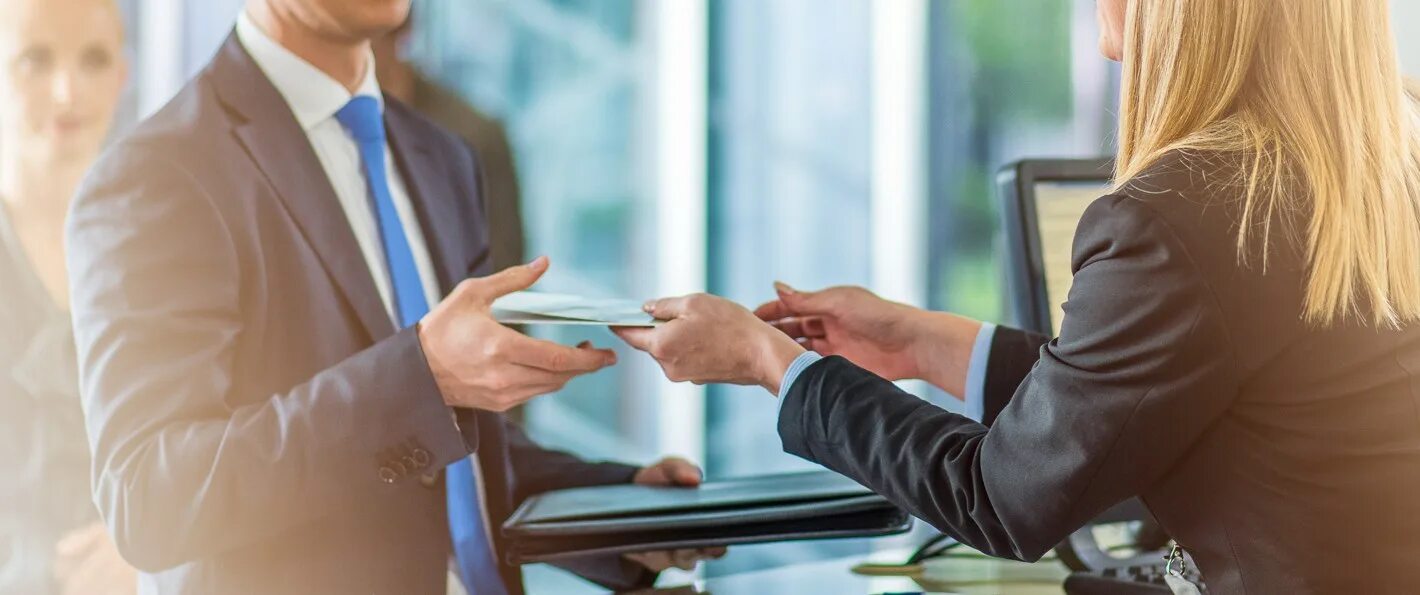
(285, 366)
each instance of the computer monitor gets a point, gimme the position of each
(1043, 200)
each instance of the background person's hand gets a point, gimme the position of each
(894, 341)
(672, 471)
(479, 363)
(88, 562)
(707, 339)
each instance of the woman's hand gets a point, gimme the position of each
(892, 340)
(876, 334)
(707, 339)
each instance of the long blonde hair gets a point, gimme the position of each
(1308, 95)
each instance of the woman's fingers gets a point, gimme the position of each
(802, 303)
(800, 328)
(638, 338)
(771, 311)
(667, 308)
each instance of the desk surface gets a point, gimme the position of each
(967, 574)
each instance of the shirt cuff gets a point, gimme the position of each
(976, 372)
(796, 368)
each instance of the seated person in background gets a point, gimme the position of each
(292, 383)
(62, 72)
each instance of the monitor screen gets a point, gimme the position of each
(1059, 206)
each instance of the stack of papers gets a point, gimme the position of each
(530, 307)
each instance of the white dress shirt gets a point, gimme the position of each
(314, 98)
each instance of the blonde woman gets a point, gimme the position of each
(62, 71)
(1240, 345)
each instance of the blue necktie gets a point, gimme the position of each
(363, 120)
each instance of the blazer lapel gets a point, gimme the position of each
(281, 149)
(445, 230)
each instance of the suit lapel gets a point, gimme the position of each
(281, 149)
(434, 199)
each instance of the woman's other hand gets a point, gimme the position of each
(874, 333)
(707, 339)
(892, 340)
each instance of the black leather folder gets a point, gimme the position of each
(630, 518)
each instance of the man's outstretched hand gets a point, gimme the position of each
(481, 364)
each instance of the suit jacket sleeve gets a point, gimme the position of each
(537, 469)
(1142, 367)
(156, 304)
(1013, 353)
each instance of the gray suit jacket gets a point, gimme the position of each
(258, 424)
(1284, 457)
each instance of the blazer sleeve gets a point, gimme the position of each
(177, 467)
(537, 469)
(1142, 367)
(1013, 353)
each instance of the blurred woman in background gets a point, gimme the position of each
(62, 72)
(1240, 346)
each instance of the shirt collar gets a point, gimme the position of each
(312, 95)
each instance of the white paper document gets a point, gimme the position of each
(531, 307)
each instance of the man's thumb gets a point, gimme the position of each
(511, 279)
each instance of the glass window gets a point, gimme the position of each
(1009, 79)
(563, 78)
(789, 159)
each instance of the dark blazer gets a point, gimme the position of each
(1285, 458)
(246, 393)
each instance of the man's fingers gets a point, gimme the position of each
(524, 383)
(654, 561)
(512, 279)
(549, 356)
(682, 472)
(685, 559)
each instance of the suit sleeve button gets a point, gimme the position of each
(388, 475)
(421, 458)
